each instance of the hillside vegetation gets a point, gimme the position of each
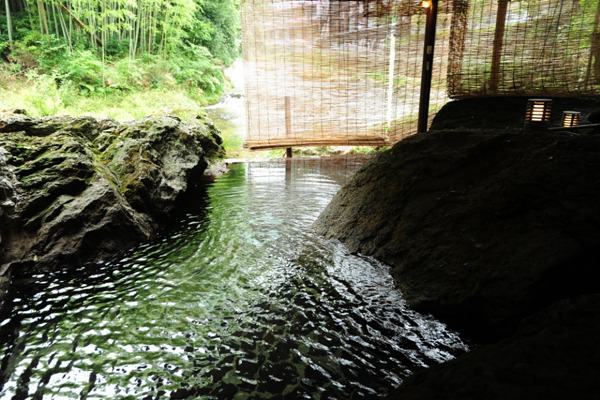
(117, 58)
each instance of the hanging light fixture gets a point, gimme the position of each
(570, 118)
(426, 3)
(538, 113)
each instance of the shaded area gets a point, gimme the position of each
(553, 355)
(483, 228)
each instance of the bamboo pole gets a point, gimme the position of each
(55, 19)
(288, 123)
(458, 33)
(65, 30)
(79, 22)
(43, 19)
(390, 92)
(8, 21)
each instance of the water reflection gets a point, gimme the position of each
(242, 301)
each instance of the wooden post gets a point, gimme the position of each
(458, 34)
(498, 44)
(288, 123)
(426, 74)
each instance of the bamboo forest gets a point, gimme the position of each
(82, 51)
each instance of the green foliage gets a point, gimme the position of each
(197, 69)
(44, 98)
(111, 46)
(125, 74)
(4, 49)
(117, 48)
(217, 28)
(124, 59)
(589, 5)
(369, 149)
(3, 29)
(83, 70)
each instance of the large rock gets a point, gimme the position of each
(495, 231)
(553, 355)
(480, 227)
(74, 190)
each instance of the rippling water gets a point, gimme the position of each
(242, 301)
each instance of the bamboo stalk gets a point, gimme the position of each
(8, 21)
(66, 33)
(458, 34)
(43, 20)
(54, 18)
(79, 22)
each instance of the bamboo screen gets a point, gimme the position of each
(335, 72)
(527, 48)
(348, 72)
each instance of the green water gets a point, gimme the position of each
(241, 301)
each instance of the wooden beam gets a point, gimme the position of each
(283, 143)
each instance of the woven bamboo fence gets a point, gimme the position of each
(347, 72)
(525, 48)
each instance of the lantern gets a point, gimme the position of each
(538, 113)
(570, 118)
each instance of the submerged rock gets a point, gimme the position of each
(74, 190)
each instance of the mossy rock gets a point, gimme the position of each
(64, 180)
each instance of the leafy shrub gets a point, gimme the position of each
(83, 70)
(125, 74)
(4, 49)
(196, 68)
(43, 97)
(117, 48)
(157, 73)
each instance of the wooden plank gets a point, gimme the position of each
(285, 143)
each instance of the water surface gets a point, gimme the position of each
(243, 300)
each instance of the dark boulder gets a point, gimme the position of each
(496, 232)
(480, 228)
(553, 355)
(75, 190)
